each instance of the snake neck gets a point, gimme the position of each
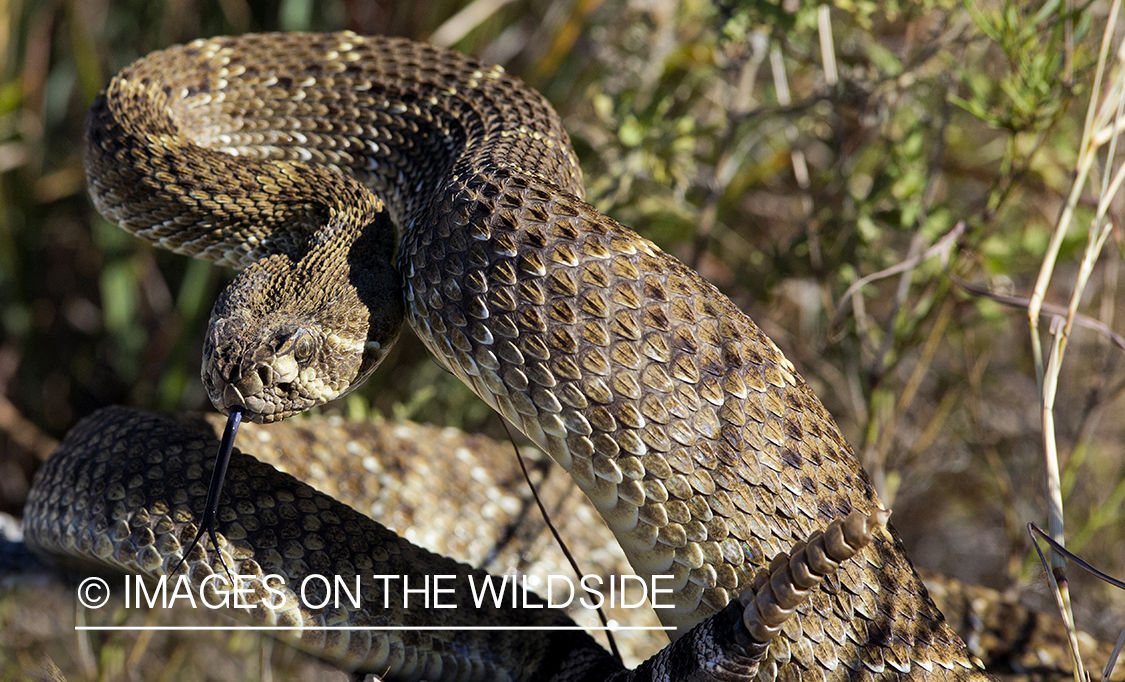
(292, 333)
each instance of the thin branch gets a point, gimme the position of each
(24, 432)
(942, 247)
(733, 151)
(916, 242)
(1045, 310)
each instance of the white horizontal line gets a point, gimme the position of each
(396, 628)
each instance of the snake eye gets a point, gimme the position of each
(303, 348)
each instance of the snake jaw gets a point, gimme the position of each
(247, 390)
(271, 386)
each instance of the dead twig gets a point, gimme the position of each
(1045, 309)
(941, 248)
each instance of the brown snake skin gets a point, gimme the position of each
(125, 488)
(694, 437)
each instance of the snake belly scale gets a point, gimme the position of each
(700, 445)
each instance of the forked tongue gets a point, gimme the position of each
(218, 475)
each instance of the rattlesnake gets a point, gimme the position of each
(696, 439)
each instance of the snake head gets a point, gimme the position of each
(289, 334)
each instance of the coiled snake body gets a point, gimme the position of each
(695, 438)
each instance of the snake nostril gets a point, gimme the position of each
(265, 375)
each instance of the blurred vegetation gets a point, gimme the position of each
(784, 150)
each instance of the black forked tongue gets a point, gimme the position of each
(211, 507)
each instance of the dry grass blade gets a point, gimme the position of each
(1064, 608)
(1112, 662)
(1034, 531)
(1086, 158)
(1054, 481)
(1111, 106)
(459, 25)
(827, 50)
